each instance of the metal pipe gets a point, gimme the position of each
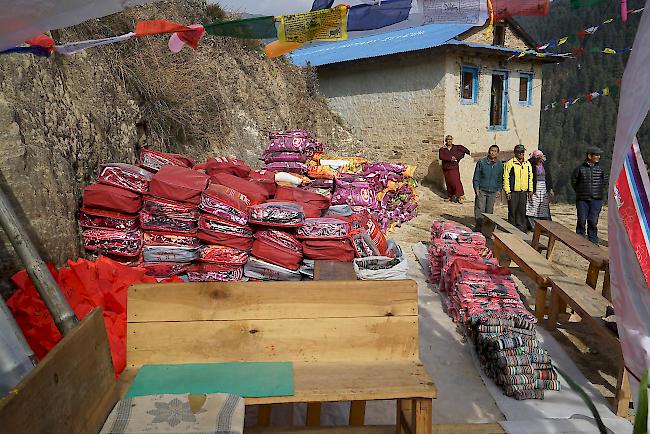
(16, 358)
(62, 314)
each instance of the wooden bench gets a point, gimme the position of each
(598, 257)
(492, 222)
(511, 247)
(348, 340)
(591, 307)
(72, 390)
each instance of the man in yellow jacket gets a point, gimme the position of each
(518, 185)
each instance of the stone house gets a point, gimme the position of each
(401, 92)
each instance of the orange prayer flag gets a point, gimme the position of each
(156, 27)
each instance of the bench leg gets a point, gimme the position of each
(592, 276)
(540, 303)
(313, 413)
(357, 413)
(551, 246)
(623, 392)
(264, 415)
(607, 291)
(488, 228)
(556, 301)
(503, 260)
(403, 421)
(535, 241)
(423, 415)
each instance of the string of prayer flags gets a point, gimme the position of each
(158, 27)
(250, 28)
(473, 12)
(320, 25)
(566, 102)
(582, 33)
(191, 38)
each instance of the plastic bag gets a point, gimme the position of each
(381, 268)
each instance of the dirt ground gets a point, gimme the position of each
(598, 364)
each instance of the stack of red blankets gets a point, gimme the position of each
(483, 297)
(223, 221)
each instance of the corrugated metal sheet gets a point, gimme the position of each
(399, 41)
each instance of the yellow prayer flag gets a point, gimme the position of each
(606, 91)
(608, 21)
(609, 51)
(321, 25)
(522, 54)
(563, 40)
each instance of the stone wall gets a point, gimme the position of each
(393, 105)
(479, 36)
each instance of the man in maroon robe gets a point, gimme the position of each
(450, 155)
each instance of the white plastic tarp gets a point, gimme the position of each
(23, 19)
(630, 292)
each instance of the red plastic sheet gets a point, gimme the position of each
(509, 8)
(85, 285)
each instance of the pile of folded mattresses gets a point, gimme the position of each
(223, 221)
(483, 299)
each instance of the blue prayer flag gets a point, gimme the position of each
(371, 17)
(35, 50)
(321, 4)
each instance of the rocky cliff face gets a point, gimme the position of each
(62, 117)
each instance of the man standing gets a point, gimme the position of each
(450, 155)
(518, 185)
(488, 182)
(589, 181)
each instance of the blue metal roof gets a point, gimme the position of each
(398, 41)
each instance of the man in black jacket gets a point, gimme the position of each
(590, 182)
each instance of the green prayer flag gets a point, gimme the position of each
(577, 4)
(250, 28)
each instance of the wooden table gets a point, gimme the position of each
(598, 257)
(334, 270)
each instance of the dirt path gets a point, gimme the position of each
(596, 363)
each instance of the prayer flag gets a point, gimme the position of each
(157, 27)
(376, 16)
(251, 28)
(563, 40)
(473, 12)
(577, 4)
(35, 50)
(321, 25)
(75, 47)
(606, 91)
(609, 51)
(179, 39)
(321, 4)
(41, 41)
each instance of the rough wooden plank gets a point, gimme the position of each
(356, 381)
(587, 303)
(334, 270)
(270, 300)
(588, 250)
(529, 260)
(592, 275)
(72, 390)
(506, 226)
(320, 339)
(423, 416)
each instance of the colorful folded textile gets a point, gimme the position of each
(323, 228)
(171, 239)
(163, 223)
(256, 268)
(169, 254)
(102, 196)
(164, 269)
(170, 208)
(116, 242)
(277, 214)
(227, 165)
(223, 255)
(154, 160)
(98, 218)
(220, 232)
(279, 248)
(125, 176)
(178, 183)
(225, 203)
(202, 272)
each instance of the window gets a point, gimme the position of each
(469, 84)
(499, 35)
(525, 88)
(499, 101)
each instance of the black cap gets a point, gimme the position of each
(520, 147)
(594, 150)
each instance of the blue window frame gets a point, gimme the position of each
(468, 84)
(525, 89)
(499, 101)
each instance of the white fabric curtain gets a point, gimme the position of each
(23, 19)
(631, 295)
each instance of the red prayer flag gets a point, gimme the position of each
(41, 41)
(156, 27)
